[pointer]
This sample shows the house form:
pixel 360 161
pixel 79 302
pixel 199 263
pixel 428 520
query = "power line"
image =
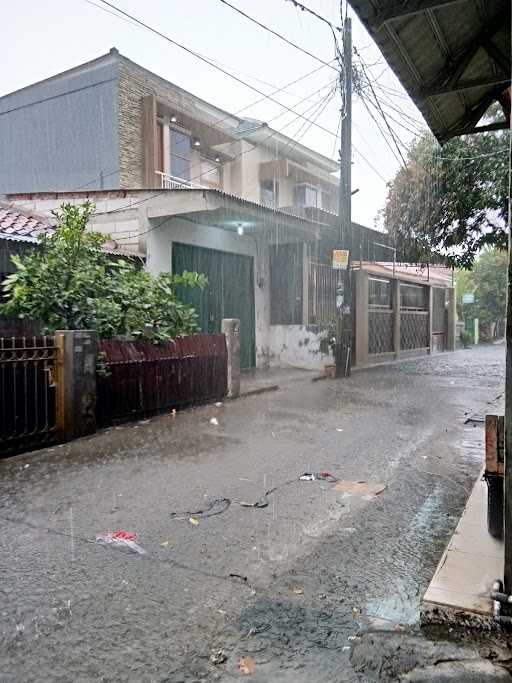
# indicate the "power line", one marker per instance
pixel 391 131
pixel 308 10
pixel 271 135
pixel 205 60
pixel 278 35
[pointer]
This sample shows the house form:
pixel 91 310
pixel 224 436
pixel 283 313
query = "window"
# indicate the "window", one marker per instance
pixel 180 154
pixel 413 296
pixel 305 195
pixel 270 193
pixel 210 172
pixel 328 201
pixel 379 292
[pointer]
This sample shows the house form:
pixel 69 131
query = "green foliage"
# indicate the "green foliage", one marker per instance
pixel 450 201
pixel 71 283
pixel 466 338
pixel 488 280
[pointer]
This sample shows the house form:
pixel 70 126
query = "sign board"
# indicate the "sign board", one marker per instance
pixel 340 259
pixel 468 298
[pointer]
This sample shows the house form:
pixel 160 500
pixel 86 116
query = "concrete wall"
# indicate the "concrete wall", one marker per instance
pixel 296 346
pixel 61 134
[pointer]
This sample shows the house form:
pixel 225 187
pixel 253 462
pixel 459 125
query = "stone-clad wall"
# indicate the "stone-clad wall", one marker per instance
pixel 135 83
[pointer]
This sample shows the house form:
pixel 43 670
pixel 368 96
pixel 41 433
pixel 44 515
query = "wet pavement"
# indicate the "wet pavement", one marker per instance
pixel 291 585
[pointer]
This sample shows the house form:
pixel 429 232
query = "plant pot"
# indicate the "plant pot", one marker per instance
pixel 330 371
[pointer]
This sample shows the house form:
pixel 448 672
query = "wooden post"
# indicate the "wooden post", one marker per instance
pixel 231 329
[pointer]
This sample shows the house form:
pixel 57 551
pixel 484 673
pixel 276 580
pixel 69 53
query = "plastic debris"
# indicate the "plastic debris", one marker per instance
pixel 338 429
pixel 214 421
pixel 218 657
pixel 218 404
pixel 164 544
pixel 26 466
pixel 193 521
pixel 246 665
pixel 173 412
pixel 307 476
pixel 121 539
pixel 314 476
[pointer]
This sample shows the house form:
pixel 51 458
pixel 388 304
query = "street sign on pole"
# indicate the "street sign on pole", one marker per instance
pixel 340 259
pixel 468 298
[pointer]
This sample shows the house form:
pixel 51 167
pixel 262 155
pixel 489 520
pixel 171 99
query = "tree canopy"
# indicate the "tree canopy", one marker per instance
pixel 70 282
pixel 452 201
pixel 488 281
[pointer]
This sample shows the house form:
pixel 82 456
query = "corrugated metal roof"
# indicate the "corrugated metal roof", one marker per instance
pixel 452 56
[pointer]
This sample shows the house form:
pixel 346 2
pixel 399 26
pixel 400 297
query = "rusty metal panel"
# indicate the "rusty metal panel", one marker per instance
pixel 27 393
pixel 494 444
pixel 146 379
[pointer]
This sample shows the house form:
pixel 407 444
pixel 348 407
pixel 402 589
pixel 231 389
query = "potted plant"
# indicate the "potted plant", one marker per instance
pixel 328 346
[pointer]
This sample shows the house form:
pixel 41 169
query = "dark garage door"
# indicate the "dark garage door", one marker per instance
pixel 230 292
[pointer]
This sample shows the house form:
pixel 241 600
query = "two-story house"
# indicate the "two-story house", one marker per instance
pixel 188 185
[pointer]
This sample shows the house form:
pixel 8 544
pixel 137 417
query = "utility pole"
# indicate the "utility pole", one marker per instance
pixel 344 283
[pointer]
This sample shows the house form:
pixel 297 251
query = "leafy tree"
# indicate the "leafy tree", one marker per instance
pixel 450 201
pixel 71 283
pixel 488 281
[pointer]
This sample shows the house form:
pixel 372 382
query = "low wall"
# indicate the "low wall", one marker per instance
pixel 296 346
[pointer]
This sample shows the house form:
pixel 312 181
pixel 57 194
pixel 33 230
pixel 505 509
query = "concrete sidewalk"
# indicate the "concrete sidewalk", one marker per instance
pixel 472 561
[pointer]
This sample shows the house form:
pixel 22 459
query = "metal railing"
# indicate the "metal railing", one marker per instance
pixel 170 182
pixel 27 393
pixel 323 282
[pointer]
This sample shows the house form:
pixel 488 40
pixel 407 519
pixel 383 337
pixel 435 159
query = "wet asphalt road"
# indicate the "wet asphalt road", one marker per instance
pixel 288 585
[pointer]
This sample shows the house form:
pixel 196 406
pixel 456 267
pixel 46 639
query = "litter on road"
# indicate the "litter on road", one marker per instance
pixel 194 521
pixel 246 665
pixel 214 421
pixel 359 488
pixel 120 539
pixel 218 657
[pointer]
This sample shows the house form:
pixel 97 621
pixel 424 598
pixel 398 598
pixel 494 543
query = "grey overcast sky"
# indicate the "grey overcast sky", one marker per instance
pixel 48 36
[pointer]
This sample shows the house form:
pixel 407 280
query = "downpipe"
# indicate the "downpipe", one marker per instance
pixel 499 598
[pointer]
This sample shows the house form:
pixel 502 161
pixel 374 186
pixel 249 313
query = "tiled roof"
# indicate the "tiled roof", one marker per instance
pixel 22 226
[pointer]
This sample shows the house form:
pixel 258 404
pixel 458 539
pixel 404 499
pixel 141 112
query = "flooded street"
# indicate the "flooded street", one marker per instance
pixel 288 579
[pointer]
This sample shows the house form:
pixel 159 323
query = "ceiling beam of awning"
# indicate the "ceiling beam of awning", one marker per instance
pixel 452 57
pixel 398 10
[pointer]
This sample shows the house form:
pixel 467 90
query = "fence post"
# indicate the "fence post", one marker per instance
pixel 430 290
pixel 452 320
pixel 231 329
pixel 361 310
pixel 76 383
pixel 396 317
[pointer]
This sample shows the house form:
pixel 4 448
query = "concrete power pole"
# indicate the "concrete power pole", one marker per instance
pixel 344 288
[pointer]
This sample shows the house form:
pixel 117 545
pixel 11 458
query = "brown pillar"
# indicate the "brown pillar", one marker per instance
pixel 76 383
pixel 361 313
pixel 395 298
pixel 452 320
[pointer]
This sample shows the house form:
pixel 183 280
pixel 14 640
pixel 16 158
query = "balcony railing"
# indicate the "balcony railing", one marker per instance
pixel 170 182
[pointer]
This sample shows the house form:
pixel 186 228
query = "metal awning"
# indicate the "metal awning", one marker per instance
pixel 452 57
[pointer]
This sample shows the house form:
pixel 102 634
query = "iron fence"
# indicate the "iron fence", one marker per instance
pixel 27 393
pixel 141 379
pixel 380 330
pixel 414 330
pixel 322 294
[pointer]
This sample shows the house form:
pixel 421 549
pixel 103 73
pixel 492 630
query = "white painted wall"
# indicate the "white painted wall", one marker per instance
pixel 296 346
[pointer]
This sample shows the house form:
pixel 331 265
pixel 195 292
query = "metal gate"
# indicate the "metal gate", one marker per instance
pixel 229 294
pixel 27 393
